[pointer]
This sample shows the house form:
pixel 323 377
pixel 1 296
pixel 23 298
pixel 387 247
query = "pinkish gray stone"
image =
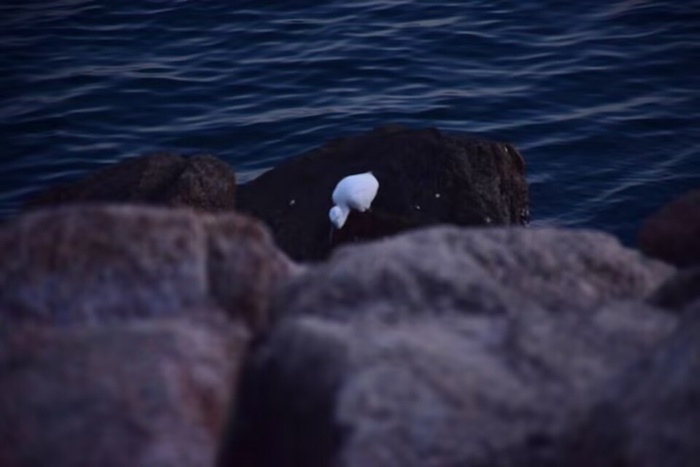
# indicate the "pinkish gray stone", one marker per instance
pixel 477 270
pixel 425 390
pixel 444 347
pixel 103 263
pixel 147 393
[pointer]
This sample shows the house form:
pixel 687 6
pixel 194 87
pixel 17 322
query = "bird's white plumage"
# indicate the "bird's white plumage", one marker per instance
pixel 353 192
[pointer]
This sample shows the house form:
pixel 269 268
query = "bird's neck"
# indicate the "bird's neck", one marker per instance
pixel 345 212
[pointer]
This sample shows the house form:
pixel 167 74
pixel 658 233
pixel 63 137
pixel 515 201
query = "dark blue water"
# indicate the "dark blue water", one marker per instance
pixel 601 97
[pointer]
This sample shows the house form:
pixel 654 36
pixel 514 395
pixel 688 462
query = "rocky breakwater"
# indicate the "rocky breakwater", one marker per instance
pixel 172 337
pixel 122 329
pixel 426 177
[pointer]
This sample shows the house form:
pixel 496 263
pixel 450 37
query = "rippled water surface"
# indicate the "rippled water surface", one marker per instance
pixel 601 97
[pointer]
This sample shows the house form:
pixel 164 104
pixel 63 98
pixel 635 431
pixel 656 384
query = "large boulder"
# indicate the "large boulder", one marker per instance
pixel 673 233
pixel 425 177
pixel 144 393
pixel 103 263
pixel 444 347
pixel 477 270
pixel 679 291
pixel 429 390
pixel 648 417
pixel 201 182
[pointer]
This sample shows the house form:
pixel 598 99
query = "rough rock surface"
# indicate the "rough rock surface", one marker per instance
pixel 650 417
pixel 444 347
pixel 673 233
pixel 430 390
pixel 201 181
pixel 679 291
pixel 144 393
pixel 101 263
pixel 425 177
pixel 477 270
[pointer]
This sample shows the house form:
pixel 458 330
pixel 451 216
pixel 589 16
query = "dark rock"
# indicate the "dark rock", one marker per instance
pixel 448 390
pixel 425 177
pixel 370 225
pixel 651 415
pixel 479 270
pixel 679 291
pixel 673 233
pixel 149 393
pixel 201 182
pixel 102 263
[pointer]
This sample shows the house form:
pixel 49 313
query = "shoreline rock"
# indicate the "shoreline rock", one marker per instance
pixel 477 270
pixel 427 390
pixel 426 177
pixel 130 333
pixel 100 263
pixel 141 393
pixel 201 182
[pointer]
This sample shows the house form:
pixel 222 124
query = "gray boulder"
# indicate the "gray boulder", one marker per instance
pixel 648 417
pixel 144 394
pixel 101 263
pixel 444 347
pixel 477 270
pixel 428 391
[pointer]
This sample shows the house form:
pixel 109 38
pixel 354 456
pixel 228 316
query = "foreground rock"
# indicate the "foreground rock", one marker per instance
pixel 425 177
pixel 679 291
pixel 650 417
pixel 106 263
pixel 132 394
pixel 673 233
pixel 444 347
pixel 443 391
pixel 201 182
pixel 487 270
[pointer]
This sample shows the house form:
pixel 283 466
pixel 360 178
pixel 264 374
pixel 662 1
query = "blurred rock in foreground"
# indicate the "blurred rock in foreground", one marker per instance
pixel 444 347
pixel 104 263
pixel 144 393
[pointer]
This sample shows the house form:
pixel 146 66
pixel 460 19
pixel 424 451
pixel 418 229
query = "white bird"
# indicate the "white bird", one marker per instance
pixel 352 192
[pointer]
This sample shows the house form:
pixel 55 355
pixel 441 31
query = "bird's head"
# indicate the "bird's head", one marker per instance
pixel 338 216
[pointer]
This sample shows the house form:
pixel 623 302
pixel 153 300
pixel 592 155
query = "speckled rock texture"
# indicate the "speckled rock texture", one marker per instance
pixel 426 177
pixel 201 182
pixel 104 263
pixel 154 336
pixel 428 390
pixel 444 347
pixel 679 291
pixel 477 270
pixel 649 416
pixel 149 393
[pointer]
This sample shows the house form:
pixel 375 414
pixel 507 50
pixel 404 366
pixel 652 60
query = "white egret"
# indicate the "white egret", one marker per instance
pixel 352 192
